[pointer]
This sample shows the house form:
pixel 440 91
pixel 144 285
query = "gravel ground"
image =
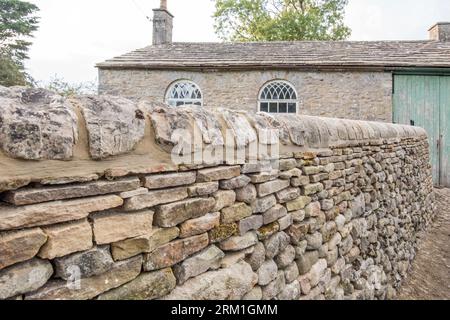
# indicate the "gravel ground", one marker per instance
pixel 429 278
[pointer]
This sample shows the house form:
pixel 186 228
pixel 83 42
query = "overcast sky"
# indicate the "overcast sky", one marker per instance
pixel 76 34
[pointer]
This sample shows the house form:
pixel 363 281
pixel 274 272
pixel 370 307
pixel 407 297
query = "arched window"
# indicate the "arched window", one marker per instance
pixel 184 92
pixel 278 97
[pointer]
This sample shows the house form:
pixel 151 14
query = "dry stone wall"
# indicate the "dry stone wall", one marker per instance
pixel 93 206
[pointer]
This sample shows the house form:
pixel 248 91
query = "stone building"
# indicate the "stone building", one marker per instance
pixel 389 81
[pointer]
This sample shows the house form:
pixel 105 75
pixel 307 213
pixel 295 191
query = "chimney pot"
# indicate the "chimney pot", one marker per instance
pixel 440 31
pixel 163 5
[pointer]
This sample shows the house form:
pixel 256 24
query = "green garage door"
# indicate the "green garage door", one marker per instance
pixel 424 101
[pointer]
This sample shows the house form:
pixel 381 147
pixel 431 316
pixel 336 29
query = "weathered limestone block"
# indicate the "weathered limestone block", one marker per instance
pixel 166 180
pixel 147 286
pixel 320 177
pixel 271 187
pixel 264 176
pixel 275 287
pixel 170 215
pixel 314 241
pixel 24 277
pixel 306 261
pixel 224 284
pixel 256 167
pixel 293 173
pixel 168 123
pixel 270 129
pixel 328 230
pixel 13 183
pixel 223 232
pixel 203 189
pixel 174 252
pixel 287 164
pixel 133 193
pixel 317 271
pixel 235 213
pixel 309 171
pixel 257 257
pixel 267 272
pixel 305 286
pixel 154 198
pixel 36 124
pixel 292 291
pixel 261 205
pixel 200 225
pixel 209 258
pixel 312 209
pixel 327 204
pixel 251 223
pixel 111 227
pixel 235 183
pixel 115 125
pixel 36 195
pixel 54 212
pixel 275 244
pixel 237 243
pixel 232 258
pixel 243 132
pixel 358 205
pixel 208 124
pixel 344 196
pixel 254 295
pixel 274 213
pixel 298 204
pixel 84 264
pixel 285 257
pixel 267 231
pixel 146 243
pixel 298 215
pixel 246 194
pixel 218 173
pixel 312 188
pixel 298 232
pixel 18 246
pixel 291 272
pixel 66 238
pixel 332 257
pixel 296 128
pixel 288 195
pixel 300 181
pixel 285 222
pixel 69 178
pixel 224 198
pixel 121 273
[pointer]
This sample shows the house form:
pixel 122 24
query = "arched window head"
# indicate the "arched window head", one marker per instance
pixel 278 97
pixel 184 92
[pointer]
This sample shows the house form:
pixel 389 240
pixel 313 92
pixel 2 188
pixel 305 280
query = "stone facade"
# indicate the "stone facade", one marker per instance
pixel 347 95
pixel 334 215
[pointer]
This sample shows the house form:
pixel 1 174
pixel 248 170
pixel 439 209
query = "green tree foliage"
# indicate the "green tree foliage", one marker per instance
pixel 280 20
pixel 17 24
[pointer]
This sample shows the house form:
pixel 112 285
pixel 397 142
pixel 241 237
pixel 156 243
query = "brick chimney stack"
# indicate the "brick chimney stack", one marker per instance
pixel 162 25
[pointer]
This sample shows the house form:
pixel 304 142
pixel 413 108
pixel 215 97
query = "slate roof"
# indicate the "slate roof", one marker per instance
pixel 297 54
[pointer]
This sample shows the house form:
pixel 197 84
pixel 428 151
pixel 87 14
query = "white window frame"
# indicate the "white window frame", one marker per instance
pixel 278 101
pixel 186 101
